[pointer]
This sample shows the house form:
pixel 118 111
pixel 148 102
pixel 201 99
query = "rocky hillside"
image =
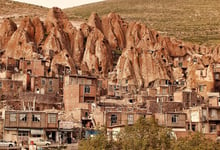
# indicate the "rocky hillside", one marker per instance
pixel 17 10
pixel 194 21
pixel 132 52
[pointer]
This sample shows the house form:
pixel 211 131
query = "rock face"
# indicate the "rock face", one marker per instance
pixel 97 54
pixel 7 28
pixel 140 55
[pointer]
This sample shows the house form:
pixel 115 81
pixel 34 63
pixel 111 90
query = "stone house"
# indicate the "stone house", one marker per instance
pixel 213 99
pixel 79 91
pixel 45 85
pixel 10 88
pixel 204 79
pixel 20 125
pixel 173 120
pixel 24 78
pixel 162 88
pixel 121 90
pixel 34 67
pixel 205 119
pixel 110 114
pixel 10 64
pixel 188 97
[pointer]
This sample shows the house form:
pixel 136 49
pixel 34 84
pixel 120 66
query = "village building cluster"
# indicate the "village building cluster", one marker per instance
pixel 58 82
pixel 55 107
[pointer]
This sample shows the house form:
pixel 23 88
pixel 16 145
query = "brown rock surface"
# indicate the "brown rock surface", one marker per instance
pixel 7 28
pixel 97 53
pixel 55 18
pixel 114 29
pixel 63 58
pixel 20 45
pixel 39 31
pixel 141 54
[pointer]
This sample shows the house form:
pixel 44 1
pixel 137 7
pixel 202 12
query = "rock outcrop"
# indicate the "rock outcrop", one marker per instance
pixel 7 28
pixel 140 54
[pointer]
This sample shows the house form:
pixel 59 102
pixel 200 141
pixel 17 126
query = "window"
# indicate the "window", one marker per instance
pixel 43 82
pixel 188 126
pixel 52 118
pixel 130 119
pixel 126 81
pixel 113 119
pixel 86 114
pixel 28 62
pixel 87 89
pixel 36 118
pixel 201 88
pixel 12 117
pixel 217 76
pixel 193 127
pixel 167 82
pixel 50 89
pixel 22 133
pixel 212 127
pixel 11 86
pixel 50 82
pixel 164 91
pixel 194 60
pixel 174 118
pixel 23 117
pixel 99 83
pixel 201 73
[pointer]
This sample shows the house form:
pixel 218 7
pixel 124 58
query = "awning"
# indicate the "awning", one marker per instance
pixel 66 130
pixel 14 129
pixel 37 132
pixel 50 129
pixel 24 129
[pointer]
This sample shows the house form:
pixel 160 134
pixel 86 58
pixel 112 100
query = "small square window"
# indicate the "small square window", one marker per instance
pixel 87 89
pixel 50 89
pixel 43 81
pixel 23 117
pixel 36 118
pixel 217 76
pixel 12 117
pixel 201 88
pixel 164 91
pixel 11 85
pixel 52 118
pixel 174 118
pixel 130 119
pixel 193 127
pixel 50 82
pixel 213 128
pixel 113 119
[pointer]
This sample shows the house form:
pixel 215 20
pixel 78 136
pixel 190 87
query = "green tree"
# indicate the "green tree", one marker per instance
pixel 196 141
pixel 145 134
pixel 99 142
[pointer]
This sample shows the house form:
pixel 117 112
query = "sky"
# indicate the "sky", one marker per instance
pixel 59 3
